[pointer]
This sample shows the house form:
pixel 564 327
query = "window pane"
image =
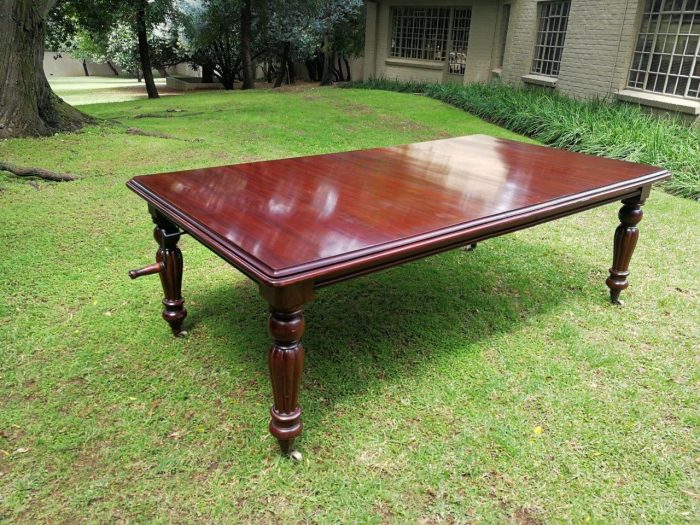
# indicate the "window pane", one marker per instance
pixel 459 39
pixel 419 33
pixel 667 48
pixel 551 35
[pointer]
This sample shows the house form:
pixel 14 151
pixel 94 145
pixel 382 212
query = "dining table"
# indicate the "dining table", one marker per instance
pixel 297 225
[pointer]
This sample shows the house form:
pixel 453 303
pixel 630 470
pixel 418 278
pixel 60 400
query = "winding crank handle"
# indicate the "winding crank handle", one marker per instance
pixel 147 270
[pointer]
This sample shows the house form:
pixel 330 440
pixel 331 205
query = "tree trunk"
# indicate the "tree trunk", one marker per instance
pixel 28 106
pixel 114 69
pixel 207 75
pixel 319 64
pixel 226 78
pixel 144 53
pixel 339 74
pixel 246 38
pixel 312 70
pixel 326 79
pixel 85 68
pixel 283 65
pixel 291 74
pixel 347 66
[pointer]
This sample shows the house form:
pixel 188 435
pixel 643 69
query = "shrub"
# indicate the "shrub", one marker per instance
pixel 609 129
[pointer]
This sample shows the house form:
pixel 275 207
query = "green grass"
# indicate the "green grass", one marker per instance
pixel 79 91
pixel 425 386
pixel 597 127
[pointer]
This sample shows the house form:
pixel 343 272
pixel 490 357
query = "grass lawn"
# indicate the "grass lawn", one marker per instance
pixel 493 386
pixel 86 90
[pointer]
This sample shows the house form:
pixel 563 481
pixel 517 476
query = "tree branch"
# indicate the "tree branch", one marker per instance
pixel 34 172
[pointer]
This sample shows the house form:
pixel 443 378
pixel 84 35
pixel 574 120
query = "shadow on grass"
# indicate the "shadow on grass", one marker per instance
pixel 364 333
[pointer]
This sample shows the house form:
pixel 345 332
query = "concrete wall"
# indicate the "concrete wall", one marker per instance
pixel 64 65
pixel 185 70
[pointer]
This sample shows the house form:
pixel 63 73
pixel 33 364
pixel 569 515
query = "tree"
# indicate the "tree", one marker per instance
pixel 144 51
pixel 246 42
pixel 121 46
pixel 224 37
pixel 28 106
pixel 211 29
pixel 340 25
pixel 123 27
pixel 287 37
pixel 166 46
pixel 319 32
pixel 109 39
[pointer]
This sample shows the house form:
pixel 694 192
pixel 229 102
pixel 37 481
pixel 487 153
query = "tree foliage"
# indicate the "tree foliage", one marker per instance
pixel 217 35
pixel 136 34
pixel 319 32
pixel 211 31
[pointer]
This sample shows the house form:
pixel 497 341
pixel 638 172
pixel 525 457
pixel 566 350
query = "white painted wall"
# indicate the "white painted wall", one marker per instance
pixel 64 65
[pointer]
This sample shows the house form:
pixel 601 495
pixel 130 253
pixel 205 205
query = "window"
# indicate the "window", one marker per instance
pixel 420 33
pixel 461 21
pixel 505 20
pixel 551 33
pixel 666 59
pixel 431 33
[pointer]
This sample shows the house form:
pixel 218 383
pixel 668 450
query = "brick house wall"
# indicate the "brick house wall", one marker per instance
pixel 599 42
pixel 595 62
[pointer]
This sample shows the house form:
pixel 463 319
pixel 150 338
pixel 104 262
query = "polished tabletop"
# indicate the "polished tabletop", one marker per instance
pixel 287 219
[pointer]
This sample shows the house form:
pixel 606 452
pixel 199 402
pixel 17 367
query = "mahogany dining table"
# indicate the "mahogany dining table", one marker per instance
pixel 298 224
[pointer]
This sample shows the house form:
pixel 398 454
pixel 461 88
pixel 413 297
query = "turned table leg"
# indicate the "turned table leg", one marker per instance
pixel 169 266
pixel 286 358
pixel 626 236
pixel 171 278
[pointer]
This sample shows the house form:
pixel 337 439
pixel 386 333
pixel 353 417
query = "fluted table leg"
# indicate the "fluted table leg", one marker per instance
pixel 286 359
